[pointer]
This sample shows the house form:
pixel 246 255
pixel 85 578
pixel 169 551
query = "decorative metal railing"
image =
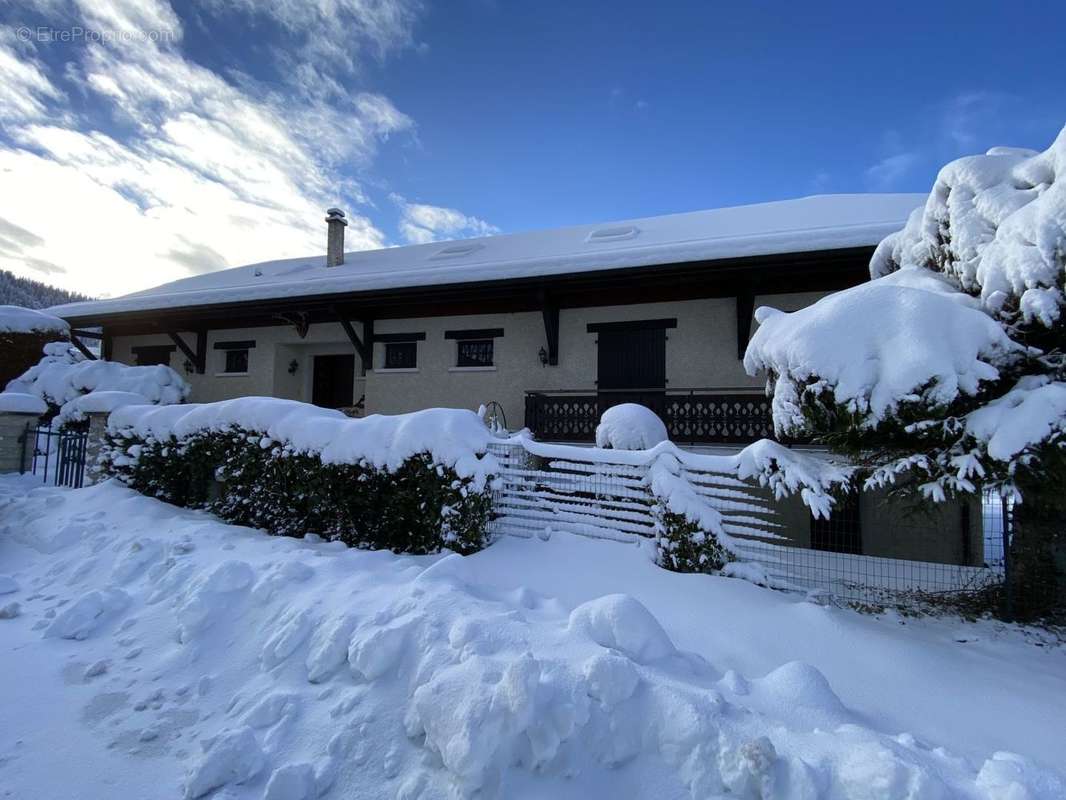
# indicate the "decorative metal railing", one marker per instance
pixel 692 416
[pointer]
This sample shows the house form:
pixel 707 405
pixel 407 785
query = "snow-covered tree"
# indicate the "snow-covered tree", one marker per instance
pixel 946 372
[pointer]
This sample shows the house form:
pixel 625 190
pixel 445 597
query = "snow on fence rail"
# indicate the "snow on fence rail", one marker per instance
pixel 605 499
pixel 605 494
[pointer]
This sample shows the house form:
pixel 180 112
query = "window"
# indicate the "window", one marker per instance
pixel 475 353
pixel 235 356
pixel 236 361
pixel 150 355
pixel 401 355
pixel 473 348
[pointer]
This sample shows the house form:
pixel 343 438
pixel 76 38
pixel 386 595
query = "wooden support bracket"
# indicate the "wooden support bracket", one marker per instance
pixel 364 346
pixel 198 357
pixel 745 312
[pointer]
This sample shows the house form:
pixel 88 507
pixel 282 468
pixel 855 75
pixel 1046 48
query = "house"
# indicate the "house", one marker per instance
pixel 551 326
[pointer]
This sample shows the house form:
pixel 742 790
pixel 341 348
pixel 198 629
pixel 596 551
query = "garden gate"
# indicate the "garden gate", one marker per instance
pixel 57 455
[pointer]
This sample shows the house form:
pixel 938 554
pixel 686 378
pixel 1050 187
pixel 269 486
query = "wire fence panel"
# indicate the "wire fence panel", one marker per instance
pixel 871 549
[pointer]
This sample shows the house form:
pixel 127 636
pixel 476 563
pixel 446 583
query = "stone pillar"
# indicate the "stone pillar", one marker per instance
pixel 15 451
pixel 93 445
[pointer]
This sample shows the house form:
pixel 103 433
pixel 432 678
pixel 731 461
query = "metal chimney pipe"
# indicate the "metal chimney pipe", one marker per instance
pixel 335 225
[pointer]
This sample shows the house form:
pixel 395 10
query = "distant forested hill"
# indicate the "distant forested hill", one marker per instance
pixel 16 291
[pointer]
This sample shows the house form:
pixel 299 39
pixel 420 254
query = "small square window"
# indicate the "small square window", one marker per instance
pixel 236 361
pixel 401 355
pixel 475 353
pixel 151 355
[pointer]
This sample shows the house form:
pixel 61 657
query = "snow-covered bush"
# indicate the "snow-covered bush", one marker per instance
pixel 946 372
pixel 23 332
pixel 682 546
pixel 630 426
pixel 413 483
pixel 64 376
pixel 690 535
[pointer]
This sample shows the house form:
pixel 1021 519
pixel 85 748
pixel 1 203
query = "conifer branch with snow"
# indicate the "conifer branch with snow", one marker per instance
pixel 945 373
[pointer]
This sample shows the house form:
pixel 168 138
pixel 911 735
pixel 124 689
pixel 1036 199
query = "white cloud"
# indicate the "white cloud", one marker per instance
pixel 215 173
pixel 24 89
pixel 888 171
pixel 329 37
pixel 421 223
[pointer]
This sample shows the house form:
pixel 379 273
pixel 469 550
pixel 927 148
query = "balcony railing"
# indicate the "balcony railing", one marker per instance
pixel 692 416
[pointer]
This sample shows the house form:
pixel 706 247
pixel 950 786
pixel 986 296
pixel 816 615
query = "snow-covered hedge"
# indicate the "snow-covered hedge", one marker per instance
pixel 411 483
pixel 64 378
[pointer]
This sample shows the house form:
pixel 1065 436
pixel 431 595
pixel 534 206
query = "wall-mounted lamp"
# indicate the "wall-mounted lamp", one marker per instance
pixel 293 366
pixel 543 356
pixel 187 366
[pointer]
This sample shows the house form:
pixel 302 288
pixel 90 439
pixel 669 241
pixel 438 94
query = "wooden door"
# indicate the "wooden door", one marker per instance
pixel 333 381
pixel 631 367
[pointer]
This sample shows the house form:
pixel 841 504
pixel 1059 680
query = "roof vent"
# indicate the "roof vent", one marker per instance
pixel 621 233
pixel 457 250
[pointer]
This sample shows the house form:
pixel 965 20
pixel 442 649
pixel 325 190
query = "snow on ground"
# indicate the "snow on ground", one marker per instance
pixel 163 653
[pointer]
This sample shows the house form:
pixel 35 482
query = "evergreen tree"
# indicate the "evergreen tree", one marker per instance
pixel 946 372
pixel 16 291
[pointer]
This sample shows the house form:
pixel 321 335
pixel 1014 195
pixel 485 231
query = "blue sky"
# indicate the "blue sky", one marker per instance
pixel 180 138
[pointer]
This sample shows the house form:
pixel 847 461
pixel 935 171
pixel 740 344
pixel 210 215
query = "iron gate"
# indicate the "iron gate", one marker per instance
pixel 55 455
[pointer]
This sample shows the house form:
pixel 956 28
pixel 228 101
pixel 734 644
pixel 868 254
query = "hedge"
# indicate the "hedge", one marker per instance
pixel 248 479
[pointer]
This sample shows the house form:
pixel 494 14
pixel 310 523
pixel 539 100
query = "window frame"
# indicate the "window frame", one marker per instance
pixel 236 351
pixel 473 363
pixel 408 346
pixel 246 345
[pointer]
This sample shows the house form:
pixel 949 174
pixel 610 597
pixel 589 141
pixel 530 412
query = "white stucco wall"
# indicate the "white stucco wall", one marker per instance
pixel 701 353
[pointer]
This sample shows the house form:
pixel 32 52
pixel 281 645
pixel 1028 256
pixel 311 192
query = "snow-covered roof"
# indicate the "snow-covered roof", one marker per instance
pixel 16 319
pixel 821 222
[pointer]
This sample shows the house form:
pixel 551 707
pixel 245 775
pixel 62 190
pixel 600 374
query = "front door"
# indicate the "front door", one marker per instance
pixel 632 367
pixel 333 381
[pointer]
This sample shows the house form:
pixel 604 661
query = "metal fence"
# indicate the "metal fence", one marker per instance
pixel 691 416
pixel 55 454
pixel 838 561
pixel 872 550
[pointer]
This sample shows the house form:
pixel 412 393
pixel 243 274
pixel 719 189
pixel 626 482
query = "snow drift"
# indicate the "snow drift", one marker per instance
pixel 222 660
